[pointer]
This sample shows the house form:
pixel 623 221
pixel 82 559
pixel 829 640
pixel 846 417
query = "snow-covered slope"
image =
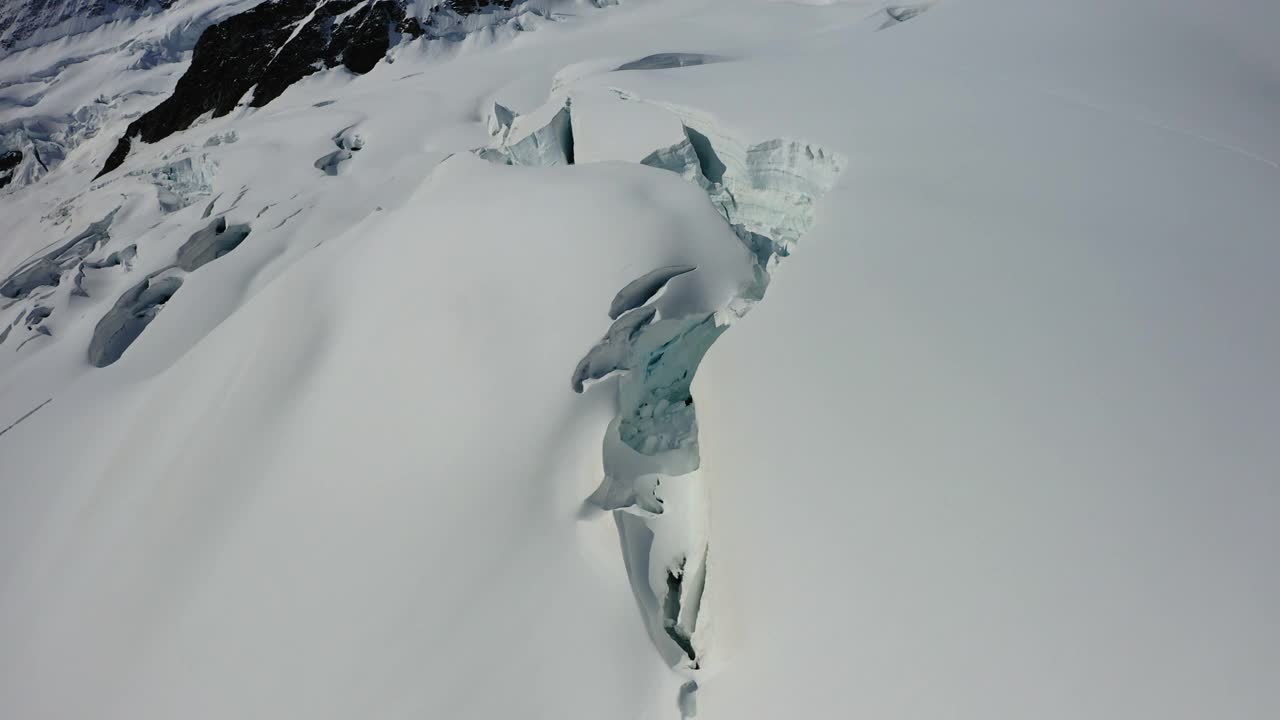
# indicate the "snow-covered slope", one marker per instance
pixel 983 428
pixel 27 23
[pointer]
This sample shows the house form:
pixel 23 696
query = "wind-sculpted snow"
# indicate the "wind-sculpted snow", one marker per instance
pixel 665 61
pixel 767 193
pixel 131 314
pixel 348 141
pixel 119 257
pixel 138 306
pixel 642 289
pixel 209 244
pixel 47 269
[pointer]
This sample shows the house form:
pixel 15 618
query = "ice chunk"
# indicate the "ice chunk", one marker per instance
pixel 181 183
pixel 120 257
pixel 541 145
pixel 614 350
pixel 499 121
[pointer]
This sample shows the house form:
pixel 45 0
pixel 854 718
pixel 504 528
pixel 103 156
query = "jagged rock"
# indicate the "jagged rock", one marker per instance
pixel 9 161
pixel 181 183
pixel 259 49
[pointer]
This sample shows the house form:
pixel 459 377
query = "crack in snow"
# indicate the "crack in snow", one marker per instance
pixel 766 193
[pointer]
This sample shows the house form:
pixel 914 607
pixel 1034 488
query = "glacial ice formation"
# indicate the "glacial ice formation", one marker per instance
pixel 642 289
pixel 766 192
pixel 348 141
pixel 535 139
pixel 499 121
pixel 227 138
pixel 210 243
pixel 131 314
pixel 180 183
pixel 47 269
pixel 613 351
pixel 664 61
pixel 139 305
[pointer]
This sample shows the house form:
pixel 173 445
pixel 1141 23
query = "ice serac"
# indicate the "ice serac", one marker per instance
pixel 613 351
pixel 549 144
pixel 131 314
pixel 664 61
pixel 120 257
pixel 183 182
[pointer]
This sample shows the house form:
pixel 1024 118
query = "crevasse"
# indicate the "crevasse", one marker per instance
pixel 767 193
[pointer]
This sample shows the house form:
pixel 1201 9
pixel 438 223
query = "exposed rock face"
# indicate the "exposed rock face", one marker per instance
pixel 357 42
pixel 264 49
pixel 9 161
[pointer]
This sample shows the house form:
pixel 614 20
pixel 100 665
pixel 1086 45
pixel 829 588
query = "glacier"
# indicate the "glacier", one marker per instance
pixel 923 353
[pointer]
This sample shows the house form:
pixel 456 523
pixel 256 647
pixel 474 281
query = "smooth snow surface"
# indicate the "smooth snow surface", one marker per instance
pixel 979 295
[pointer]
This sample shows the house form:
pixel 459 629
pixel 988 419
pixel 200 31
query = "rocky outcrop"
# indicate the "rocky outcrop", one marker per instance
pixel 274 45
pixel 9 161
